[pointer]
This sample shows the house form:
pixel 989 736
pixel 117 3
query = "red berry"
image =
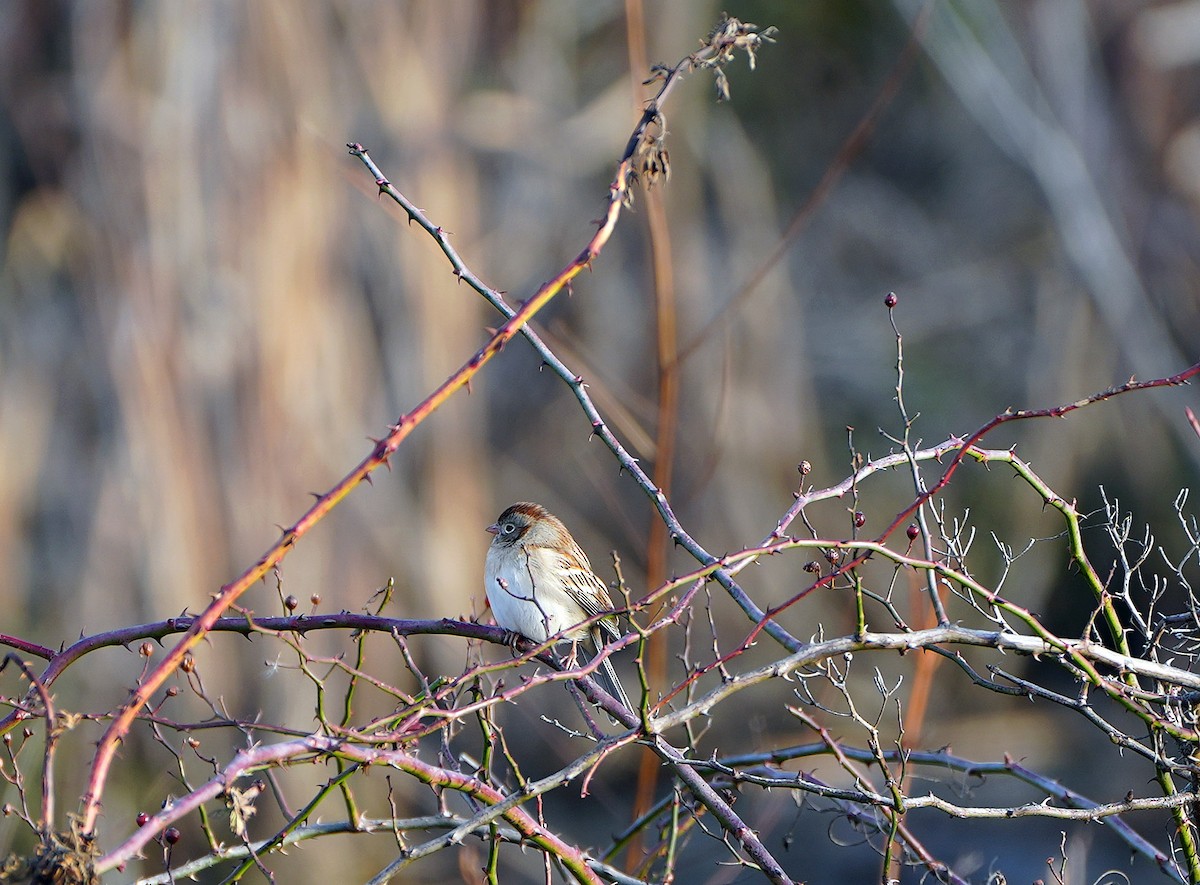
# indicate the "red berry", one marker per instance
pixel 890 300
pixel 912 531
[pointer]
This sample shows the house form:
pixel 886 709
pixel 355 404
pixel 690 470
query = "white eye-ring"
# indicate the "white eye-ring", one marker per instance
pixel 509 528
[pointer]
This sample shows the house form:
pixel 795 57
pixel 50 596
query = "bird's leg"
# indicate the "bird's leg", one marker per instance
pixel 573 656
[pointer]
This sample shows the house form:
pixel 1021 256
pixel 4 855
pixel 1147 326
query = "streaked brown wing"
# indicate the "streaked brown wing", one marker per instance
pixel 589 592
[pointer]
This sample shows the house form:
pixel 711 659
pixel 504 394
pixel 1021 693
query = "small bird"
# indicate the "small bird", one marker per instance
pixel 539 583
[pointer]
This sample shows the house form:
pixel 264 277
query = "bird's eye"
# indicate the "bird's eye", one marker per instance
pixel 509 527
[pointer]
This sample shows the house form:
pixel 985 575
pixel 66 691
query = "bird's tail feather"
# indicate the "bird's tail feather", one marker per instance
pixel 606 674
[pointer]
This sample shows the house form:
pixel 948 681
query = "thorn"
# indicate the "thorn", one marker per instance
pixel 368 480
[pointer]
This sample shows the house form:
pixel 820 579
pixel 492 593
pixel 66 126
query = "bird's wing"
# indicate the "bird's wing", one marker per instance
pixel 589 593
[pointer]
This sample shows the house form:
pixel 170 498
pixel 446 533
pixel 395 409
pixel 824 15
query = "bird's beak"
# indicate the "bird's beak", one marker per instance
pixel 493 529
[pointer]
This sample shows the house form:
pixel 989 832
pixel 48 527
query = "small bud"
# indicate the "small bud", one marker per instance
pixel 890 300
pixel 860 519
pixel 912 531
pixel 142 819
pixel 171 835
pixel 290 603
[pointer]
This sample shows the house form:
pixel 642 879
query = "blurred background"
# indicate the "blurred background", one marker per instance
pixel 205 311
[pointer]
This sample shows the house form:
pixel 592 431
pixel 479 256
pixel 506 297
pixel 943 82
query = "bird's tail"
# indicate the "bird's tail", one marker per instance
pixel 606 675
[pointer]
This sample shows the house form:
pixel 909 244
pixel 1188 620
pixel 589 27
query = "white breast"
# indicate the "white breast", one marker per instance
pixel 523 599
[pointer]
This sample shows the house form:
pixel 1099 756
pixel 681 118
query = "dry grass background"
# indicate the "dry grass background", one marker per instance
pixel 204 311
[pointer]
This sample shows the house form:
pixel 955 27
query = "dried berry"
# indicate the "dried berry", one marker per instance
pixel 860 519
pixel 890 300
pixel 912 531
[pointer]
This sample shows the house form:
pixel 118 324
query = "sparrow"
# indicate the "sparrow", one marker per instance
pixel 539 583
